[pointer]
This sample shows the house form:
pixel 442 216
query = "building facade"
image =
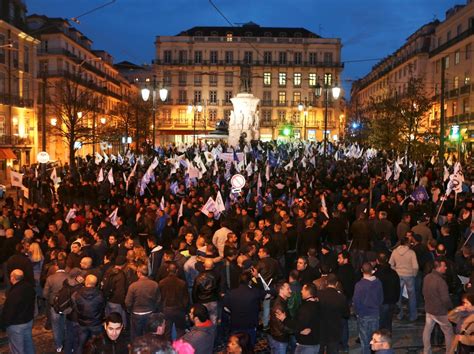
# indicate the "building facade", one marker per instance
pixel 203 68
pixel 454 43
pixel 66 54
pixel 18 121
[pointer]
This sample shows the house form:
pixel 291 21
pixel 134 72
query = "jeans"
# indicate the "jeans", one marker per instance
pixel 446 327
pixel 329 348
pixel 177 317
pixel 111 307
pixel 409 282
pixel 213 311
pixel 138 325
pixel 58 325
pixel 266 312
pixel 86 332
pixel 306 349
pixel 367 326
pixel 20 338
pixel 386 315
pixel 276 346
pixel 71 343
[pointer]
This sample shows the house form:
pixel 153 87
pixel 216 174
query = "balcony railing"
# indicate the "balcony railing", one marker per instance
pixel 15 100
pixel 15 140
pixel 318 64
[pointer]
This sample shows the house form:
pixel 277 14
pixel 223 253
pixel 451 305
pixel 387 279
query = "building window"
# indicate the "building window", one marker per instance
pixel 197 79
pixel 455 108
pixel 328 79
pixel 183 56
pixel 458 29
pixel 213 79
pixel 296 97
pixel 212 97
pixel 313 58
pixel 182 96
pixel 282 116
pixel 229 78
pixel 267 98
pixel 267 115
pixel 468 51
pixel 467 79
pixel 212 115
pixel 465 106
pixel 198 57
pixel 282 58
pixel 267 58
pixel 328 58
pixel 282 79
pixel 297 79
pixel 298 58
pixel 2 82
pixel 229 57
pixel 2 50
pixel 267 79
pixel 457 56
pixel 197 96
pixel 456 82
pixel 182 116
pixel 167 56
pixel 182 78
pixel 313 79
pixel 446 62
pixel 213 57
pixel 167 78
pixel 227 96
pixel 248 57
pixel 229 37
pixel 281 98
pixel 26 59
pixel 448 36
pixel 227 113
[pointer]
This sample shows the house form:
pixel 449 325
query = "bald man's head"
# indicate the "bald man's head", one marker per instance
pixel 91 281
pixel 208 264
pixel 16 275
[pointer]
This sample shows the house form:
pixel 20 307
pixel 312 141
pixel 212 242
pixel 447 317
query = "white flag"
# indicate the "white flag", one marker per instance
pixel 162 203
pixel 446 174
pixel 113 217
pixel 249 169
pixel 54 177
pixel 267 172
pixel 110 176
pixel 220 205
pixel 98 158
pixel 119 159
pixel 180 211
pixel 209 207
pixel 298 182
pixel 396 171
pixel 388 173
pixel 70 215
pixel 16 179
pixel 289 166
pixel 100 177
pixel 106 158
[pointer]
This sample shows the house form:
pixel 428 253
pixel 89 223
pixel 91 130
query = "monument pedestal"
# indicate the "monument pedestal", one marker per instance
pixel 244 118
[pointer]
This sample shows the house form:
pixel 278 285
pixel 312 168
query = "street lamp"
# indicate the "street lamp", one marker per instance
pixel 303 107
pixel 336 91
pixel 163 92
pixel 197 109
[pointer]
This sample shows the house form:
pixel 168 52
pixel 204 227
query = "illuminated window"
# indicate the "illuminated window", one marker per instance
pixel 282 79
pixel 267 79
pixel 297 79
pixel 313 79
pixel 229 37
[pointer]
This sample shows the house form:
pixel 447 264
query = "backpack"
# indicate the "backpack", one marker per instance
pixel 62 302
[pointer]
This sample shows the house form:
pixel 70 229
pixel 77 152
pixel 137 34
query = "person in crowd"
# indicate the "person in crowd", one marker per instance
pixel 114 286
pixel 381 342
pixel 463 317
pixel 201 335
pixel 18 312
pixel 142 299
pixel 367 300
pixel 239 343
pixel 279 333
pixel 112 340
pixel 437 305
pixel 206 289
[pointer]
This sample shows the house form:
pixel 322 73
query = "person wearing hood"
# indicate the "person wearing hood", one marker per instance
pixel 403 261
pixel 89 304
pixel 201 335
pixel 367 300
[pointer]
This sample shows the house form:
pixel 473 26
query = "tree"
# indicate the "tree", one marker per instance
pixel 72 100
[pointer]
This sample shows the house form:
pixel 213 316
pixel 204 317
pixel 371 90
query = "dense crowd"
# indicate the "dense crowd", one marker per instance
pixel 158 253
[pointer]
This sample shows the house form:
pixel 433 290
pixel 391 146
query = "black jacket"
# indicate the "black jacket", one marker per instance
pixel 390 283
pixel 19 305
pixel 22 262
pixel 269 268
pixel 308 316
pixel 229 276
pixel 101 344
pixel 334 308
pixel 89 305
pixel 114 286
pixel 244 306
pixel 206 287
pixel 346 275
pixel 278 330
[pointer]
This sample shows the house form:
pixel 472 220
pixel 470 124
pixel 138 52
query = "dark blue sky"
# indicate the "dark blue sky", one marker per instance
pixel 368 28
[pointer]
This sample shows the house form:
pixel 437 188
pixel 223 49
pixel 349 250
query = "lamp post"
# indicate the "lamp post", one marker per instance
pixel 146 95
pixel 303 107
pixel 196 109
pixel 336 91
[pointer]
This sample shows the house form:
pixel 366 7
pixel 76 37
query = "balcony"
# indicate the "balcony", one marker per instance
pixel 281 103
pixel 15 140
pixel 268 123
pixel 266 103
pixel 452 42
pixel 466 89
pixel 15 100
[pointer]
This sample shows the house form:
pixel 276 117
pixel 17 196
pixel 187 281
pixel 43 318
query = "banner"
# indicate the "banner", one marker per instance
pixel 210 207
pixel 16 179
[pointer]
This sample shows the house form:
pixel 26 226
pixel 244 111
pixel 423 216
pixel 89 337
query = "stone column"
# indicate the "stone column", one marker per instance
pixel 244 118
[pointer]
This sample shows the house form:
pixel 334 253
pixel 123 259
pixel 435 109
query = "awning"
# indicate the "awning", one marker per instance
pixel 7 154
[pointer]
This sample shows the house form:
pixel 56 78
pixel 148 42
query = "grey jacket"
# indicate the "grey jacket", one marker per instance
pixel 54 283
pixel 201 339
pixel 143 296
pixel 436 294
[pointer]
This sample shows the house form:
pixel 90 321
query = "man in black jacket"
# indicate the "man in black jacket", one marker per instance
pixel 112 340
pixel 17 315
pixel 279 332
pixel 206 289
pixel 307 323
pixel 391 290
pixel 89 305
pixel 334 309
pixel 114 288
pixel 21 261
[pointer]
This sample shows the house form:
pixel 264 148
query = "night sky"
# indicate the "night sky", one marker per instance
pixel 369 29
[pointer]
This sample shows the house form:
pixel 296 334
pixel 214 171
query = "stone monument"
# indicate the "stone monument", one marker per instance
pixel 244 119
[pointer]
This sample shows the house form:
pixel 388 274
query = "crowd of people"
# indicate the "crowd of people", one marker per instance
pixel 159 253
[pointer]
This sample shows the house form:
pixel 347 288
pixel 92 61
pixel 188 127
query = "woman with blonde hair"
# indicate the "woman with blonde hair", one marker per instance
pixel 37 259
